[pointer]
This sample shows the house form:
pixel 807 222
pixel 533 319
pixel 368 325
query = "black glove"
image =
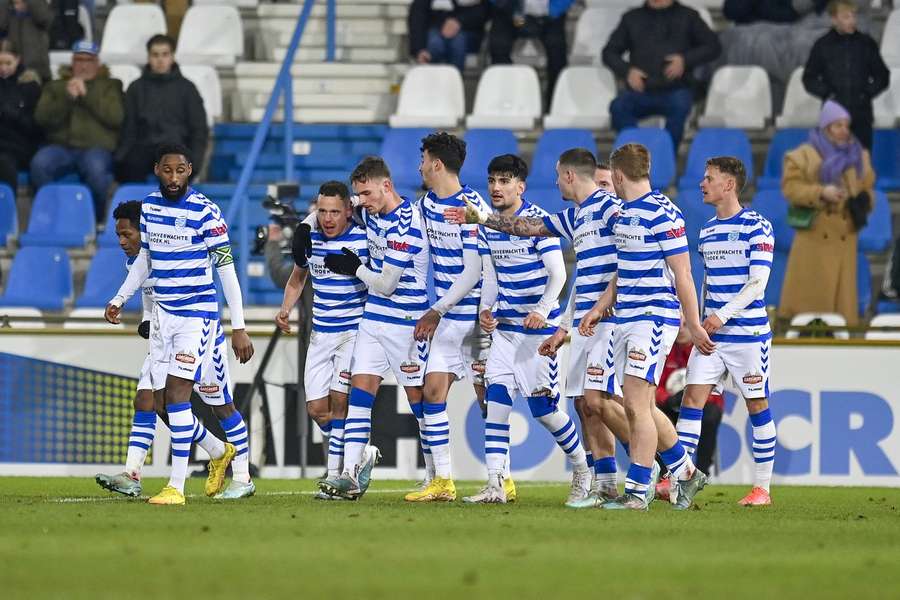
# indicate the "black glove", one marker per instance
pixel 144 330
pixel 301 246
pixel 345 263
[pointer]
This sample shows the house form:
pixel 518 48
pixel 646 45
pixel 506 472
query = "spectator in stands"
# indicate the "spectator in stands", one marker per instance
pixel 66 29
pixel 25 23
pixel 20 89
pixel 542 19
pixel 846 65
pixel 81 114
pixel 665 41
pixel 828 183
pixel 161 106
pixel 444 31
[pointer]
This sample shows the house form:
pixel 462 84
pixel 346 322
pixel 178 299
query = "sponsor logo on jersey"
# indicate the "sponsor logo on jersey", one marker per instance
pixel 398 246
pixel 676 233
pixel 595 370
pixel 752 378
pixel 637 355
pixel 186 357
pixel 219 230
pixel 410 367
pixel 209 388
pixel 764 247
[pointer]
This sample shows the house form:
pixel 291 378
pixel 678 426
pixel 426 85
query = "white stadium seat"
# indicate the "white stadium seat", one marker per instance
pixel 430 96
pixel 830 319
pixel 508 97
pixel 88 318
pixel 739 97
pixel 206 79
pixel 890 39
pixel 801 109
pixel 592 32
pixel 581 99
pixel 128 27
pixel 887 104
pixel 211 35
pixel 18 318
pixel 124 73
pixel 884 321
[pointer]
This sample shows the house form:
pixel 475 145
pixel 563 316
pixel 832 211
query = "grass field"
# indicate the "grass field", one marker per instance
pixel 66 538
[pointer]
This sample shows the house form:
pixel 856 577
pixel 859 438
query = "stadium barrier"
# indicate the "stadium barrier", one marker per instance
pixel 65 409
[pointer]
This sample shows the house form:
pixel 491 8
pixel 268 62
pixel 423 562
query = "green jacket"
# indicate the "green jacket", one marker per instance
pixel 89 122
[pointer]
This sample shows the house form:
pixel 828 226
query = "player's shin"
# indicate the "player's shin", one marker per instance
pixel 143 429
pixel 210 443
pixel 236 433
pixel 560 426
pixel 357 429
pixel 418 411
pixel 181 423
pixel 437 427
pixel 496 429
pixel 764 441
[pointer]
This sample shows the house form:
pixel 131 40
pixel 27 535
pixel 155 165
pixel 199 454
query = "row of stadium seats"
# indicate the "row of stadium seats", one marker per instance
pixel 509 96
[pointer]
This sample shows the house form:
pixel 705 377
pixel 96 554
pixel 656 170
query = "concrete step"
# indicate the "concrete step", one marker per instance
pixel 262 87
pixel 327 115
pixel 344 11
pixel 335 70
pixel 342 53
pixel 350 39
pixel 356 26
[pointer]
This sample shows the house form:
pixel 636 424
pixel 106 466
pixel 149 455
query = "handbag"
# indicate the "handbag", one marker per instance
pixel 801 217
pixel 858 206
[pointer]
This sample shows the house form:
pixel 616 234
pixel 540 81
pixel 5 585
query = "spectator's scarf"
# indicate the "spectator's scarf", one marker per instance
pixel 836 158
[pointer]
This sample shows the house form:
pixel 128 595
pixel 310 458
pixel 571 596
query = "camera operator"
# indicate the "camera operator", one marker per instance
pixel 280 264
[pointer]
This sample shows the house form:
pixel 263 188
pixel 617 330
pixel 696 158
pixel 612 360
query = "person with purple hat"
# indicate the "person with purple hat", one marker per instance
pixel 828 183
pixel 80 113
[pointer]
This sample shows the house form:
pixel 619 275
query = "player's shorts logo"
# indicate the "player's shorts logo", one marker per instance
pixel 344 375
pixel 541 392
pixel 180 222
pixel 209 389
pixel 637 355
pixel 186 357
pixel 410 367
pixel 752 378
pixel 595 370
pixel 479 366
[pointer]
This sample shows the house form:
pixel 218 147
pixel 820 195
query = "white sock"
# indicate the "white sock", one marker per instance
pixel 210 443
pixel 437 427
pixel 143 429
pixel 336 448
pixel 357 429
pixel 236 434
pixel 496 429
pixel 181 423
pixel 419 413
pixel 563 430
pixel 690 421
pixel 764 441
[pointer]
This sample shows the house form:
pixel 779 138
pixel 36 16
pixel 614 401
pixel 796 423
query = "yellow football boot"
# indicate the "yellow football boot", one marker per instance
pixel 509 486
pixel 168 495
pixel 215 481
pixel 438 490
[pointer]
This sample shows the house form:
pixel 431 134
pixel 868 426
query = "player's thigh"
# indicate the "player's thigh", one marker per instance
pixel 320 367
pixel 600 372
pixel 499 368
pixel 341 356
pixel 749 365
pixel 705 369
pixel 576 369
pixel 369 354
pixel 190 343
pixel 213 378
pixel 536 375
pixel 476 347
pixel 646 345
pixel 405 356
pixel 445 353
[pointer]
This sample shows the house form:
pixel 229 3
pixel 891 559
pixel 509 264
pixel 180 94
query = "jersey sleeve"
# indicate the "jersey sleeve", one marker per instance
pixel 145 242
pixel 470 236
pixel 546 244
pixel 561 224
pixel 762 245
pixel 668 231
pixel 402 245
pixel 213 229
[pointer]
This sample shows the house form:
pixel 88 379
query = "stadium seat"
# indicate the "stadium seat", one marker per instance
pixel 830 319
pixel 887 306
pixel 400 149
pixel 124 73
pixel 9 219
pixel 885 150
pixel 774 206
pixel 40 277
pixel 581 98
pixel 62 215
pixel 886 105
pixel 21 317
pixel 104 277
pixel 89 318
pixel 211 35
pixel 801 109
pixel 444 104
pixel 127 29
pixel 206 80
pixel 887 320
pixel 592 32
pixel 550 145
pixel 481 146
pixel 782 142
pixel 508 96
pixel 124 193
pixel 890 49
pixel 547 197
pixel 876 236
pixel 863 283
pixel 744 86
pixel 715 142
pixel 659 142
pixel 695 213
pixel 776 278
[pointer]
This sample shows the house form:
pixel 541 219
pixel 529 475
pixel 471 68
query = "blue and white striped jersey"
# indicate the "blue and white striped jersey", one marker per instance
pixel 647 231
pixel 521 275
pixel 146 287
pixel 729 248
pixel 447 242
pixel 396 239
pixel 589 226
pixel 180 235
pixel 338 300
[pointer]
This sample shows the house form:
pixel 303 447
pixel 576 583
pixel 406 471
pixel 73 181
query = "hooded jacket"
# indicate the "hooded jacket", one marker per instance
pixel 19 95
pixel 92 121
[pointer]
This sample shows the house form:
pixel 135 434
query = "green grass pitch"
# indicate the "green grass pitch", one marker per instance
pixel 67 538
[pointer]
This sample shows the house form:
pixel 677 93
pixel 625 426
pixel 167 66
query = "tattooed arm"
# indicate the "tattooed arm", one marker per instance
pixel 521 226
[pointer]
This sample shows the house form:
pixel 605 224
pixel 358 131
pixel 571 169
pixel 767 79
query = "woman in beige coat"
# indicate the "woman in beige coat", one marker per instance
pixel 826 174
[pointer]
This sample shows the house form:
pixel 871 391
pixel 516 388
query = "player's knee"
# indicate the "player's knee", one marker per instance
pixel 541 405
pixel 143 401
pixel 319 411
pixel 757 405
pixel 224 411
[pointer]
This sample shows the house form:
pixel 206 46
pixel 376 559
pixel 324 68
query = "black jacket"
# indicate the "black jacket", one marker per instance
pixel 164 108
pixel 19 134
pixel 774 11
pixel 652 34
pixel 848 69
pixel 421 18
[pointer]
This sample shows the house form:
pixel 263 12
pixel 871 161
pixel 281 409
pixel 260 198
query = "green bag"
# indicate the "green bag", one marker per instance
pixel 800 217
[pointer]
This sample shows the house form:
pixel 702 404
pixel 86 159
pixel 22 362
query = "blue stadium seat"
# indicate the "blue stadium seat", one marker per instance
pixel 124 193
pixel 695 213
pixel 715 141
pixel 400 149
pixel 40 277
pixel 876 236
pixel 551 144
pixel 104 277
pixel 885 161
pixel 659 142
pixel 773 206
pixel 782 142
pixel 863 283
pixel 481 146
pixel 62 215
pixel 547 197
pixel 9 220
pixel 887 307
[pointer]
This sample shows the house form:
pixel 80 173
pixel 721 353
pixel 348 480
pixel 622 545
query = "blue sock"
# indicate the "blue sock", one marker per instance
pixel 143 429
pixel 765 439
pixel 677 460
pixel 237 435
pixel 605 469
pixel 590 459
pixel 335 447
pixel 637 481
pixel 496 427
pixel 418 410
pixel 357 428
pixel 437 428
pixel 688 428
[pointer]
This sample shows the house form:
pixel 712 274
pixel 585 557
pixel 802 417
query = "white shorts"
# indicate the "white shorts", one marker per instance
pixel 591 364
pixel 481 348
pixel 328 363
pixel 514 363
pixel 455 348
pixel 748 364
pixel 640 349
pixel 382 347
